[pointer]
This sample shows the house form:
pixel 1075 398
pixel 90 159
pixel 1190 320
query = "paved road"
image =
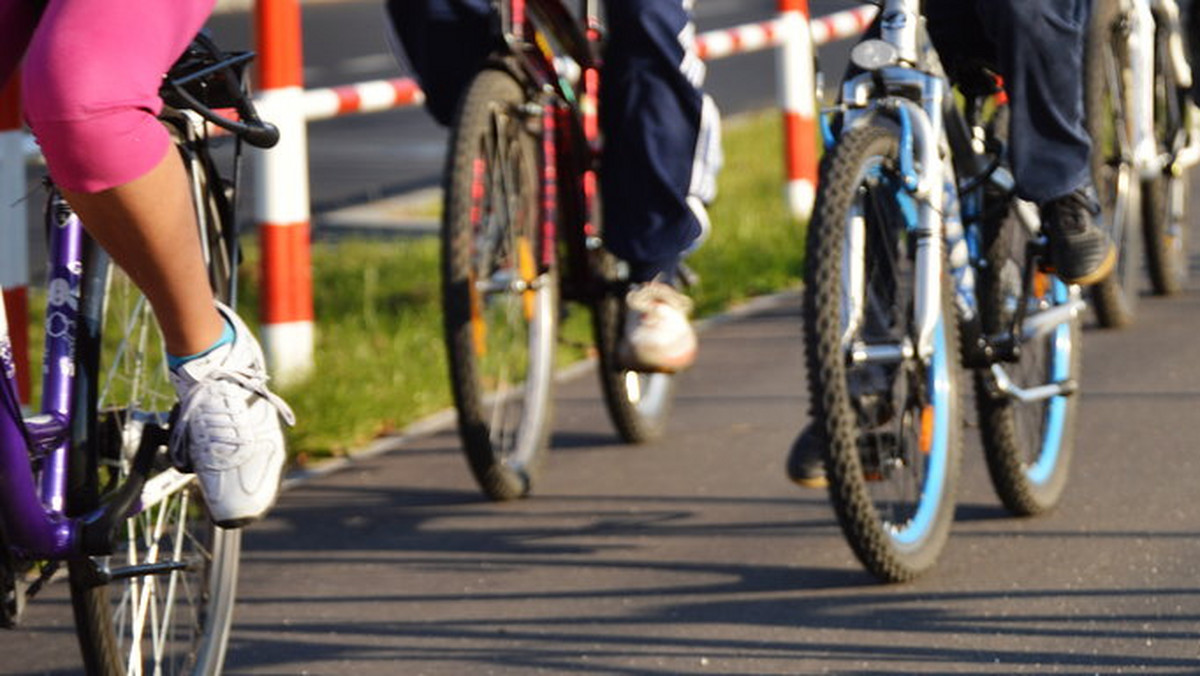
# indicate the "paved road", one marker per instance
pixel 695 556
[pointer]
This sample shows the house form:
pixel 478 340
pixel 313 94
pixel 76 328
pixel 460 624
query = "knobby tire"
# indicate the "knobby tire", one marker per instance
pixel 890 547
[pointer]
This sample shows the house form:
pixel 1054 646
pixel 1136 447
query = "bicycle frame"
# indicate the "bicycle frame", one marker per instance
pixel 32 513
pixel 902 79
pixel 556 55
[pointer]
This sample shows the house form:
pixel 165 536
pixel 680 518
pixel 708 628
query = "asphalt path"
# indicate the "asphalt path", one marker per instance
pixel 694 555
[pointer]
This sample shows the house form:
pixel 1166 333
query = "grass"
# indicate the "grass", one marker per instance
pixel 380 360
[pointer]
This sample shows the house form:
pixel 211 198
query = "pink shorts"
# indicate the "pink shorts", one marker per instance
pixel 90 81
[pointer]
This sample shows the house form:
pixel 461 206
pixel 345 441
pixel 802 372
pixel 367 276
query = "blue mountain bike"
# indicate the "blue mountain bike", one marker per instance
pixel 921 261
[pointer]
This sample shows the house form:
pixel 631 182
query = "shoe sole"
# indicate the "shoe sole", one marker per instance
pixel 242 522
pixel 813 482
pixel 235 524
pixel 1100 273
pixel 627 362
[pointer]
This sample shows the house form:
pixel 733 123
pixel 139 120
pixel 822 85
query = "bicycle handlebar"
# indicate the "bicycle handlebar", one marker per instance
pixel 206 78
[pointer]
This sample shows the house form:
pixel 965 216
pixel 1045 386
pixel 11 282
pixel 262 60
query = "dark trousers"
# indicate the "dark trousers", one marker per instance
pixel 1037 46
pixel 650 112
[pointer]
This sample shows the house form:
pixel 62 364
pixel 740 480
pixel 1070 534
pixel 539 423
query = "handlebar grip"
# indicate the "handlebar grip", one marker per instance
pixel 261 134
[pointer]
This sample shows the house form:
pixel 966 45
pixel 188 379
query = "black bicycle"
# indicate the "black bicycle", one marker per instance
pixel 522 232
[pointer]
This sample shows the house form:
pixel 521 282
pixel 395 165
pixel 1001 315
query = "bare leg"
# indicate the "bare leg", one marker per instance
pixel 148 226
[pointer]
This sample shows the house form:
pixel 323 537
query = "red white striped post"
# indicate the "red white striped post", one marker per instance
pixel 14 236
pixel 797 91
pixel 281 195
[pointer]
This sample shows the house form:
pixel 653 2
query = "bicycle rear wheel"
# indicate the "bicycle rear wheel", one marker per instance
pixel 638 403
pixel 1106 81
pixel 891 418
pixel 499 297
pixel 177 619
pixel 1165 203
pixel 1028 443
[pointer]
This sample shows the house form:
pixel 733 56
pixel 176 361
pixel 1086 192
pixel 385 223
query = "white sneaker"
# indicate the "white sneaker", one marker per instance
pixel 227 430
pixel 658 336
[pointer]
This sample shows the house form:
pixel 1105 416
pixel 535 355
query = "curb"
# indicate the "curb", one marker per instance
pixel 447 418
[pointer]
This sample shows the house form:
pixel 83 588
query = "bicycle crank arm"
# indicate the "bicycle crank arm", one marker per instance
pixel 1186 158
pixel 1040 323
pixel 1031 395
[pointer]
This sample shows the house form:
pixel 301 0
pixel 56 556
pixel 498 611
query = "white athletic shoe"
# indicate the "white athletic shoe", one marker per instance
pixel 658 336
pixel 227 430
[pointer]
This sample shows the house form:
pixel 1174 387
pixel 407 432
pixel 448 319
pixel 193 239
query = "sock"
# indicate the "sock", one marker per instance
pixel 226 338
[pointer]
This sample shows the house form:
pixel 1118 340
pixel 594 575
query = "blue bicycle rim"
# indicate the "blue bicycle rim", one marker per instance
pixel 933 491
pixel 1056 411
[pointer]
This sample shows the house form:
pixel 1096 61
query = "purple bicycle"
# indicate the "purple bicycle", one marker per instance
pixel 86 483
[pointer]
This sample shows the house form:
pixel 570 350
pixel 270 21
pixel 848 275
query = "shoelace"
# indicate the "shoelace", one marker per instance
pixel 243 378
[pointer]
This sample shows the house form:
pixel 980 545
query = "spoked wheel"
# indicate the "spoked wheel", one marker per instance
pixel 499 298
pixel 1109 124
pixel 1028 439
pixel 891 416
pixel 167 603
pixel 638 403
pixel 1165 198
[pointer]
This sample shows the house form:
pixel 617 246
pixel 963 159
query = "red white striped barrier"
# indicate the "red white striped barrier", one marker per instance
pixel 380 95
pixel 764 35
pixel 14 237
pixel 281 195
pixel 842 25
pixel 364 97
pixel 751 37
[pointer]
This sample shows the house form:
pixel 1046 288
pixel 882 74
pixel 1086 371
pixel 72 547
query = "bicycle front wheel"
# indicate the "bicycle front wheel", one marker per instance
pixel 1109 123
pixel 500 297
pixel 166 603
pixel 891 417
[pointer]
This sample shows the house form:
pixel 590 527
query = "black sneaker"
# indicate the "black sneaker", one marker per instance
pixel 1080 252
pixel 806 459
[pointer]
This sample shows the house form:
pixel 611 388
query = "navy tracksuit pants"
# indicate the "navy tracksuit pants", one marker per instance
pixel 1037 46
pixel 651 110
